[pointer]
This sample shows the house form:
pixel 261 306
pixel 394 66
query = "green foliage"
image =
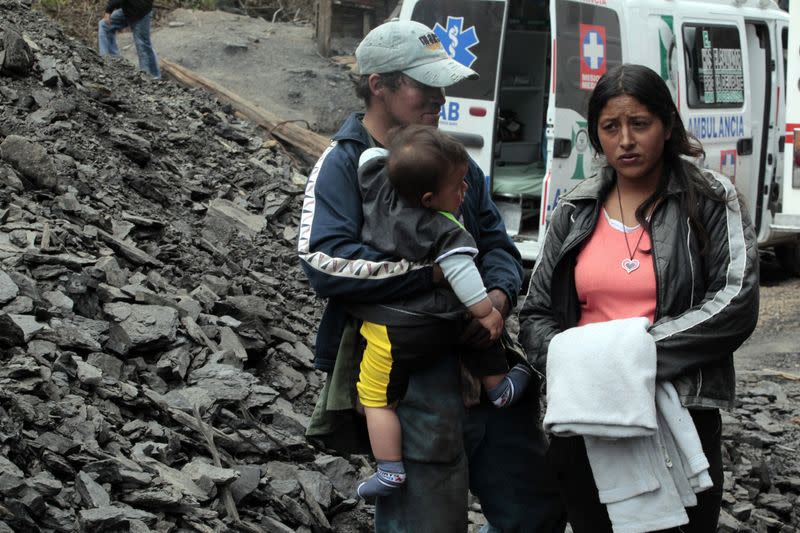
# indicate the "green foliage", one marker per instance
pixel 51 5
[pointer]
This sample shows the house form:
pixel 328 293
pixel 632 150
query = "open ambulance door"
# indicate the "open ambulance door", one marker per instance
pixel 724 95
pixel 472 33
pixel 788 219
pixel 588 42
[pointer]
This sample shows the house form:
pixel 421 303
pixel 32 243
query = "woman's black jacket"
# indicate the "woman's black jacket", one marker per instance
pixel 706 304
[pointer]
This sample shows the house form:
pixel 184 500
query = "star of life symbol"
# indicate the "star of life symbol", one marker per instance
pixel 458 41
pixel 593 50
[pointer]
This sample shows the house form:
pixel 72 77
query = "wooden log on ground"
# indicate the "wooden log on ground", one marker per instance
pixel 306 141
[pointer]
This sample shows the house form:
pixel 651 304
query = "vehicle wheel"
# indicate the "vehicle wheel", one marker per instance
pixel 789 257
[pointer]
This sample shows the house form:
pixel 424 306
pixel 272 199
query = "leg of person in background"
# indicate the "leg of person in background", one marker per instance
pixel 148 61
pixel 507 468
pixel 434 498
pixel 107 33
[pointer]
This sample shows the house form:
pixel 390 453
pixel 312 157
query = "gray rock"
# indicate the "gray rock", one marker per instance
pixel 230 341
pixel 21 305
pixel 155 498
pixel 223 382
pixel 260 396
pixel 18 55
pixel 109 365
pixel 198 469
pixel 112 518
pixel 59 300
pixel 137 148
pixel 191 306
pixel 110 271
pixel 317 486
pixel 289 381
pixel 8 289
pixel 147 327
pixel 203 294
pixel 339 471
pixel 183 483
pixel 91 492
pixel 742 511
pixel 174 363
pixel 249 478
pixel 88 374
pixel 9 178
pixel 11 334
pixel 27 287
pixel 9 468
pixel 31 160
pixel 299 354
pixel 56 443
pixel 223 215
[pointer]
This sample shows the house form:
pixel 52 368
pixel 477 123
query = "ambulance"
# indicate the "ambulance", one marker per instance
pixel 788 218
pixel 524 121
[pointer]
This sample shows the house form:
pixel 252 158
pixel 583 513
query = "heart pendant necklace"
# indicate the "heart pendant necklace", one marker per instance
pixel 629 264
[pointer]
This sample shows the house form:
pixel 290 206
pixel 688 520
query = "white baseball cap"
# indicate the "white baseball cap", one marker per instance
pixel 413 49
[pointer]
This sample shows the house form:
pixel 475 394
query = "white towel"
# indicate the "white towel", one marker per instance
pixel 643 448
pixel 613 394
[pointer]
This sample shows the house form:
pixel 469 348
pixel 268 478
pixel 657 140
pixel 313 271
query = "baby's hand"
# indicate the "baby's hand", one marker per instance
pixel 493 322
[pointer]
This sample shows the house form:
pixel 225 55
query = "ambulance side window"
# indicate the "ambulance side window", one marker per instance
pixel 714 77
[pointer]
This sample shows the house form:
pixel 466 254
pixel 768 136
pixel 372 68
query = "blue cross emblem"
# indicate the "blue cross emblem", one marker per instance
pixel 457 41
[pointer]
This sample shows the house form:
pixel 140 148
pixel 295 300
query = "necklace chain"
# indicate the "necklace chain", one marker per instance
pixel 624 229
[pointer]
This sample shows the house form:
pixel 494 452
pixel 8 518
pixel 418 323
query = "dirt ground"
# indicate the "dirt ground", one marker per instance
pixel 775 344
pixel 275 65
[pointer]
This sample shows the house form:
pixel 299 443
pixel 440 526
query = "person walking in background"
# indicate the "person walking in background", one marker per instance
pixel 447 449
pixel 136 15
pixel 654 236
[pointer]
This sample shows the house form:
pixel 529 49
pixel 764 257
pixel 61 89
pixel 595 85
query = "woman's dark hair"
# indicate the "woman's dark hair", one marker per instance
pixel 390 79
pixel 647 87
pixel 420 160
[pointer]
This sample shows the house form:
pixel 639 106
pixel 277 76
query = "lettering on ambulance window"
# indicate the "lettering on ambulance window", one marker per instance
pixel 714 74
pixel 470 32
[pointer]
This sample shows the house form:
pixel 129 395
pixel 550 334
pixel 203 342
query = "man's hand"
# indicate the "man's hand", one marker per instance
pixel 493 323
pixel 107 18
pixel 500 302
pixel 438 276
pixel 475 334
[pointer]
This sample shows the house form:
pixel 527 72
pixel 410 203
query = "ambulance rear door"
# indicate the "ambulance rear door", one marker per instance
pixel 472 33
pixel 588 42
pixel 720 104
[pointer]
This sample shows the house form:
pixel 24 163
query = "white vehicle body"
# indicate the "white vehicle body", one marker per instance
pixel 789 217
pixel 524 120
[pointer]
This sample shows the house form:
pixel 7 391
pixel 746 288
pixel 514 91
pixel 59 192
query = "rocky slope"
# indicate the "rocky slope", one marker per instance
pixel 155 369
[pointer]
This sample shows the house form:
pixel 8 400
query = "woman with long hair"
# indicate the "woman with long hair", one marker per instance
pixel 651 235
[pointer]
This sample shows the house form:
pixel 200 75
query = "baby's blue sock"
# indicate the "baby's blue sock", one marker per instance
pixel 508 391
pixel 390 476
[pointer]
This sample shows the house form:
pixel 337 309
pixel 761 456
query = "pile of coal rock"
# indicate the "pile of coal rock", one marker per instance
pixel 155 326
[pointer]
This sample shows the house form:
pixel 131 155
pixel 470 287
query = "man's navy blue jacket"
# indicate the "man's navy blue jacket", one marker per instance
pixel 342 268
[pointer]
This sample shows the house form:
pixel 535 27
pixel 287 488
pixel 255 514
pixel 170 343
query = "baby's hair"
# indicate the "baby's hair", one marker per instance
pixel 420 159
